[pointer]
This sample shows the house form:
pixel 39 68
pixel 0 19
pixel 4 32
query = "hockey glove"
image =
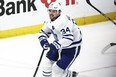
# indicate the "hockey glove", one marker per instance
pixel 53 51
pixel 44 42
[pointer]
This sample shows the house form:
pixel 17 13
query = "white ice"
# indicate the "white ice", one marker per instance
pixel 19 55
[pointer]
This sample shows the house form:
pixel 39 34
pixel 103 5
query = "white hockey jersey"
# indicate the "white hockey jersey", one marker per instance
pixel 64 30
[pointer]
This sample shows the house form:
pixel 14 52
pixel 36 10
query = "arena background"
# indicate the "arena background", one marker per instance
pixel 20 17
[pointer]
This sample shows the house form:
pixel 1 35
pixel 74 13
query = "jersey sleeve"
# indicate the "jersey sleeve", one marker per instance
pixel 45 32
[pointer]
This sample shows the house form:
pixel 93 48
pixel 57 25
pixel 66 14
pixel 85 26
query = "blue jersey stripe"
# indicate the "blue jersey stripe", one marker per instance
pixel 45 33
pixel 68 38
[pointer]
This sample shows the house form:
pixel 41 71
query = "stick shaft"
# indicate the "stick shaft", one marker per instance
pixel 38 63
pixel 108 18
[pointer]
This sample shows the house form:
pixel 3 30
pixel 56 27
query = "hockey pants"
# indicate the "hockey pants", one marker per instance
pixel 58 65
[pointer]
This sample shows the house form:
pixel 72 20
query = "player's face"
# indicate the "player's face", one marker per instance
pixel 53 14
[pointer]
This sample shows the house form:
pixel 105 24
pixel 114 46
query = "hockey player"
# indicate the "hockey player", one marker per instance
pixel 66 46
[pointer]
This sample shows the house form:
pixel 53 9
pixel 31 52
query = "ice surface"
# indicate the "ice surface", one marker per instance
pixel 19 55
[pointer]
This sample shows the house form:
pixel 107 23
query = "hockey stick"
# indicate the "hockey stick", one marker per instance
pixel 39 63
pixel 88 1
pixel 111 44
pixel 107 47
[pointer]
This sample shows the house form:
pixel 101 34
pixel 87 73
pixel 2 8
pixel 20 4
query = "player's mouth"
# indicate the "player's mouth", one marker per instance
pixel 52 16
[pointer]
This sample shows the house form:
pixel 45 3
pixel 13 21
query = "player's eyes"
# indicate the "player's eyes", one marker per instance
pixel 52 11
